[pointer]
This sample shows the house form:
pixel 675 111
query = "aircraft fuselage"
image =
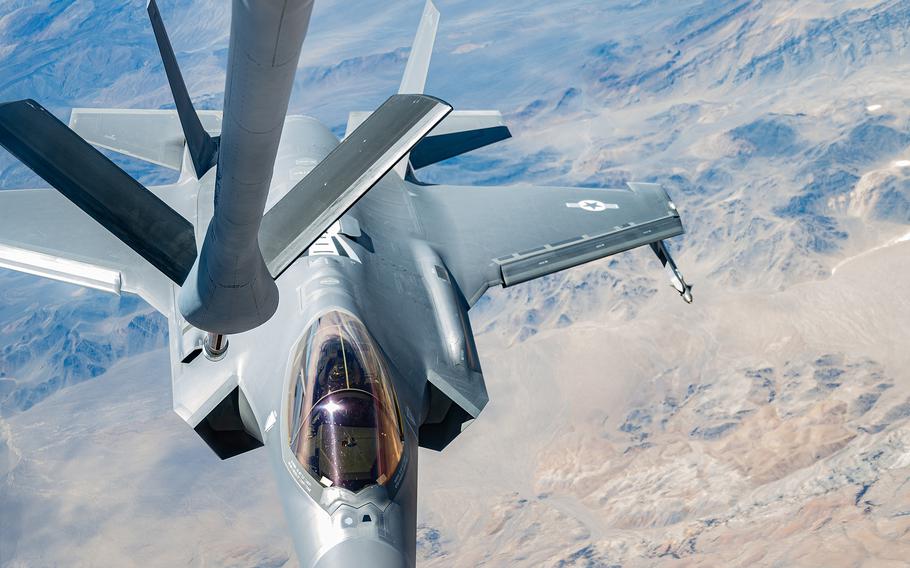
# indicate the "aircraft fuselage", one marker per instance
pixel 374 266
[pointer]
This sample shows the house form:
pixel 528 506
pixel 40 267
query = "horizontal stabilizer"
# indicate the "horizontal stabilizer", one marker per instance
pixel 459 133
pixel 203 148
pixel 96 185
pixel 344 176
pixel 154 136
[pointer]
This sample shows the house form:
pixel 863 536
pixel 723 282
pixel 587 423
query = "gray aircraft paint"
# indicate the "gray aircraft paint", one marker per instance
pixel 407 260
pixel 229 288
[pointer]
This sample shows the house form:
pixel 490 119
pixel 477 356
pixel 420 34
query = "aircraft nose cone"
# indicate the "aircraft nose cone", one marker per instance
pixel 362 552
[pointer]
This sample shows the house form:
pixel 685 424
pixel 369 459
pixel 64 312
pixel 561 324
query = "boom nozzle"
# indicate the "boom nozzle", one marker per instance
pixel 215 346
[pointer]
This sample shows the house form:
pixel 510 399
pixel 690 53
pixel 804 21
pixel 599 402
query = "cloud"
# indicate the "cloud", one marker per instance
pixel 469 47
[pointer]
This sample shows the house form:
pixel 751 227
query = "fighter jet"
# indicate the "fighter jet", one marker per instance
pixel 317 292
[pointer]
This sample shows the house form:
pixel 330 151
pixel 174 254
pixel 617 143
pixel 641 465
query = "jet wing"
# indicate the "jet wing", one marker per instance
pixel 490 236
pixel 42 233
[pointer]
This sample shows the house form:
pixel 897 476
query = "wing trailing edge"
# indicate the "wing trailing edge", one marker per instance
pixel 502 236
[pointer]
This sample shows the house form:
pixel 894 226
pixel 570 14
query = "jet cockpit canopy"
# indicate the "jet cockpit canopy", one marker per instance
pixel 343 420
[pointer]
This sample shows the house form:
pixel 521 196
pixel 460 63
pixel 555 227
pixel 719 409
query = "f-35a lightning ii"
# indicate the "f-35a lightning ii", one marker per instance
pixel 330 292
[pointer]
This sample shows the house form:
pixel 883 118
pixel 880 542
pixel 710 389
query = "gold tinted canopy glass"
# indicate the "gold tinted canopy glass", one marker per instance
pixel 343 420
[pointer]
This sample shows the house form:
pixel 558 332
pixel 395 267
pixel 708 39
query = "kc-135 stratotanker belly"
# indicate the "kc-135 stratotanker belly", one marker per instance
pixel 317 292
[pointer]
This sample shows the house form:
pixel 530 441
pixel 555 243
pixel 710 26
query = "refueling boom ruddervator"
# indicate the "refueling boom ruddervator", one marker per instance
pixel 343 282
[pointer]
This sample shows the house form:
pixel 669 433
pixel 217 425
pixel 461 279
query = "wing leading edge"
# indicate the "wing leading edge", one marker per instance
pixel 491 236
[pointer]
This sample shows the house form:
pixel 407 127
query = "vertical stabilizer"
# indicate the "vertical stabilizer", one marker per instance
pixel 415 72
pixel 414 79
pixel 203 148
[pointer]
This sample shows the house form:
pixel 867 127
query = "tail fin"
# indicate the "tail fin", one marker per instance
pixel 414 79
pixel 96 185
pixel 415 72
pixel 203 148
pixel 460 132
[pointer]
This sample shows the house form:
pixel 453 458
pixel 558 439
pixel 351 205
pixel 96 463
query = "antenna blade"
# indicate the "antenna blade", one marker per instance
pixel 203 148
pixel 415 72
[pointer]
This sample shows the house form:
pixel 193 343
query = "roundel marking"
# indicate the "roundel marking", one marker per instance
pixel 592 205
